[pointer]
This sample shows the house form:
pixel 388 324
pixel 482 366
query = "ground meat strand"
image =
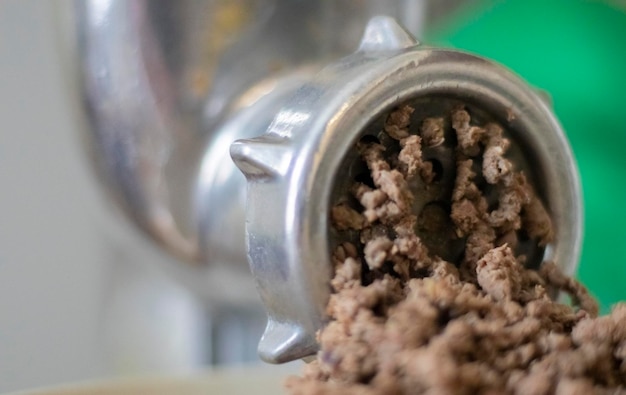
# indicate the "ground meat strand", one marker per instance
pixel 398 122
pixel 432 132
pixel 468 136
pixel 495 165
pixel 345 217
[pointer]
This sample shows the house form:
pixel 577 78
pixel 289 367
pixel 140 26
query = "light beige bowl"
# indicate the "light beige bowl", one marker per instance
pixel 250 380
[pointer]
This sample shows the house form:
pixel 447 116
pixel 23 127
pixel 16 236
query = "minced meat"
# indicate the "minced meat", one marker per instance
pixel 404 321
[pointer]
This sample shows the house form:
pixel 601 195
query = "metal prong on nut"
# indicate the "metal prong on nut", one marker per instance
pixel 281 343
pixel 261 157
pixel 384 33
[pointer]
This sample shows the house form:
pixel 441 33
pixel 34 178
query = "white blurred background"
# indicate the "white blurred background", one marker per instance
pixel 80 294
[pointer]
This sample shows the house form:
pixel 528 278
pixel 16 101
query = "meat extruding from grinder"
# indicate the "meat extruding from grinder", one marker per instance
pixel 402 320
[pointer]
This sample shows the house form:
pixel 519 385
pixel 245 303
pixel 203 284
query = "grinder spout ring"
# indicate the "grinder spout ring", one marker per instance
pixel 293 169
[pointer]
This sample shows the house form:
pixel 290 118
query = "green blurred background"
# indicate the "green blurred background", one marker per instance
pixel 576 51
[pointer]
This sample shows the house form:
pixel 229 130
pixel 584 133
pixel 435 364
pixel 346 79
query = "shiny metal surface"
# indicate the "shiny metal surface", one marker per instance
pixel 168 85
pixel 293 169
